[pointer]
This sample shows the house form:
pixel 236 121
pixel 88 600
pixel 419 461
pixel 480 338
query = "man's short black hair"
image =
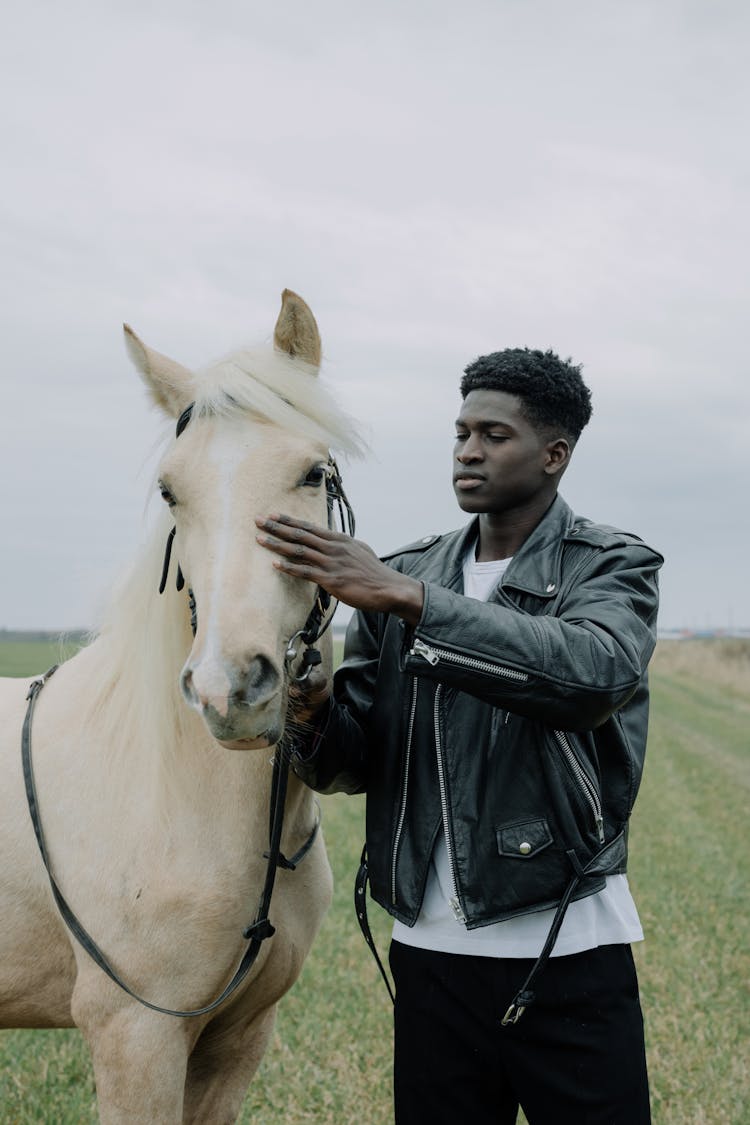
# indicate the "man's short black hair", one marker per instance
pixel 553 394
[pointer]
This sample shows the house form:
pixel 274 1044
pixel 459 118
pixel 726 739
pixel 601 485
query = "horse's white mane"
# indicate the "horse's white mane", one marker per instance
pixel 272 385
pixel 143 638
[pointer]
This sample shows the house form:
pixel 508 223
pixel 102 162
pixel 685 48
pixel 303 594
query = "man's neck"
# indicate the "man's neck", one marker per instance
pixel 502 534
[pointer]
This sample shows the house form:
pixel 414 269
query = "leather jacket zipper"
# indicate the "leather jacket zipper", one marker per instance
pixel 584 782
pixel 454 901
pixel 433 655
pixel 404 789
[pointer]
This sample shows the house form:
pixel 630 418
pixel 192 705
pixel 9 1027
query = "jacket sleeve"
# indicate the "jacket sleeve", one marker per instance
pixel 570 670
pixel 333 758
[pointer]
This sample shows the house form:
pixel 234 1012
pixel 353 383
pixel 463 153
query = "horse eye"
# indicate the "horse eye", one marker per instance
pixel 315 477
pixel 166 495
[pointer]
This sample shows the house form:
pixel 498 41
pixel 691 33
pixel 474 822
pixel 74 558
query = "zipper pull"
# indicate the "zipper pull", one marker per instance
pixel 600 828
pixel 457 911
pixel 419 648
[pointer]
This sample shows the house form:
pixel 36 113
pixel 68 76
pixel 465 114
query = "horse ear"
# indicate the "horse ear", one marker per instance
pixel 169 383
pixel 296 332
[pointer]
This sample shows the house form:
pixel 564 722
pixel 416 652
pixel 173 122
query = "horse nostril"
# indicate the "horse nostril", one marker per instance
pixel 186 685
pixel 261 680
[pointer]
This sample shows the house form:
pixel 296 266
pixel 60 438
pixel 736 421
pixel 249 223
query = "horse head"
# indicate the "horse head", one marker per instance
pixel 253 438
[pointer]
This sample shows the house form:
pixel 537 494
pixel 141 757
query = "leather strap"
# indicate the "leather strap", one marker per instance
pixel 599 864
pixel 525 996
pixel 360 905
pixel 256 932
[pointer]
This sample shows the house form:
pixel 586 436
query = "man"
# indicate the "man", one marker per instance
pixel 493 705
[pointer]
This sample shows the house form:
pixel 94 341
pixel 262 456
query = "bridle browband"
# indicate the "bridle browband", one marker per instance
pixel 256 933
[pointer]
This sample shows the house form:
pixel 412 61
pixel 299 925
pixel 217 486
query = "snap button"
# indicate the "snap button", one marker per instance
pixel 551 587
pixel 524 848
pixel 428 538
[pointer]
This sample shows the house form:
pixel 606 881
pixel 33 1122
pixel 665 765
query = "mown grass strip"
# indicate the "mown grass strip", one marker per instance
pixel 690 873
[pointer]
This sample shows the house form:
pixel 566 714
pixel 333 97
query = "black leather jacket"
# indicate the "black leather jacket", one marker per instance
pixel 518 725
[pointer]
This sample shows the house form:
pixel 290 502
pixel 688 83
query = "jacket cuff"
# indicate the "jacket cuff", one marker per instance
pixel 306 745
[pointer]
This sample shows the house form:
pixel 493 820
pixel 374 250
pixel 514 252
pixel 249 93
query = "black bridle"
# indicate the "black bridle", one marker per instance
pixel 256 933
pixel 321 614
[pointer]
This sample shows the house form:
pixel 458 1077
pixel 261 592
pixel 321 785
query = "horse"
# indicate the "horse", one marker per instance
pixel 152 754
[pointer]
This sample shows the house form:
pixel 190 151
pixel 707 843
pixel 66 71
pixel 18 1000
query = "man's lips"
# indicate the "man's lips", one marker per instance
pixel 467 481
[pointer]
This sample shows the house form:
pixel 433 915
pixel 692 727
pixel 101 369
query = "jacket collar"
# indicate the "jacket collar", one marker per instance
pixel 536 566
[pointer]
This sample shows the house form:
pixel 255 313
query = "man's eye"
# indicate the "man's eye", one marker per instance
pixel 315 476
pixel 166 495
pixel 497 437
pixel 461 437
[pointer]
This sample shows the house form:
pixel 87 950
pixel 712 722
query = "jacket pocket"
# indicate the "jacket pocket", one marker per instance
pixel 524 839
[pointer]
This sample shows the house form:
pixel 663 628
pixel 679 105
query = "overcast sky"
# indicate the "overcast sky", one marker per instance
pixel 438 180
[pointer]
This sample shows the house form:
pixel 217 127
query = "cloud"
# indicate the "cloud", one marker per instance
pixel 438 181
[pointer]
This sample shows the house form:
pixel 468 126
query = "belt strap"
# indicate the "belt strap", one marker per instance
pixel 525 996
pixel 598 865
pixel 360 905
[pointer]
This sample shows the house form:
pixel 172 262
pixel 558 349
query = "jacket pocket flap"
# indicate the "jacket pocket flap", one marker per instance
pixel 524 839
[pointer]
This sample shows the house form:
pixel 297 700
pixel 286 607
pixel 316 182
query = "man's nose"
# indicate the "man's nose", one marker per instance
pixel 471 450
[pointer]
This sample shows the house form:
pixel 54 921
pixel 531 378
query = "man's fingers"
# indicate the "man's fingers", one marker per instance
pixel 291 529
pixel 298 570
pixel 295 551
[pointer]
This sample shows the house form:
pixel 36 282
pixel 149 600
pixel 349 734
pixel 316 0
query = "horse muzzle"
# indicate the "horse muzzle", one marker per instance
pixel 240 706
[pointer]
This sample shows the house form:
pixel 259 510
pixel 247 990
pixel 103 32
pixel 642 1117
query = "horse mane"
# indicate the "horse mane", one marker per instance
pixel 143 638
pixel 280 389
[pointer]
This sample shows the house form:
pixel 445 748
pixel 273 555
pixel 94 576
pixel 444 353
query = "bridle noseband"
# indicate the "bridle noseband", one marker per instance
pixel 321 614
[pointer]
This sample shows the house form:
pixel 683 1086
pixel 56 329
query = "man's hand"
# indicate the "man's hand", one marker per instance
pixel 310 697
pixel 345 567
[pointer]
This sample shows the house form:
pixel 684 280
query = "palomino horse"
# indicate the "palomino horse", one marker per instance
pixel 151 758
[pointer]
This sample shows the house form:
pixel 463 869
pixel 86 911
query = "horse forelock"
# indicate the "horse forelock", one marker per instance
pixel 271 385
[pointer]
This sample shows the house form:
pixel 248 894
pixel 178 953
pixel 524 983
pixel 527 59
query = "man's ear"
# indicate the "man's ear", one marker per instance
pixel 557 456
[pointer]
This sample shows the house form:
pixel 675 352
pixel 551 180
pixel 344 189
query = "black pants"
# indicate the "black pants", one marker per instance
pixel 576 1056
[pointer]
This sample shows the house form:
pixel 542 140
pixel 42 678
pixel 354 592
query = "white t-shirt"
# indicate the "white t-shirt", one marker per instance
pixel 606 918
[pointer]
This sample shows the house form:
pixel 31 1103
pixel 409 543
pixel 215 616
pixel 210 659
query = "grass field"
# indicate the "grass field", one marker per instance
pixel 690 871
pixel 30 656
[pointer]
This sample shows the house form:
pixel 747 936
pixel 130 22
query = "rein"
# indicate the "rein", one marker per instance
pixel 256 933
pixel 318 621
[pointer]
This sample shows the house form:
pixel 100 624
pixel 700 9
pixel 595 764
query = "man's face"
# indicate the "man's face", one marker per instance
pixel 500 462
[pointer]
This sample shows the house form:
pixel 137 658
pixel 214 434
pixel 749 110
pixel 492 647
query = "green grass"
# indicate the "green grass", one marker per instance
pixel 690 873
pixel 329 1061
pixel 29 657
